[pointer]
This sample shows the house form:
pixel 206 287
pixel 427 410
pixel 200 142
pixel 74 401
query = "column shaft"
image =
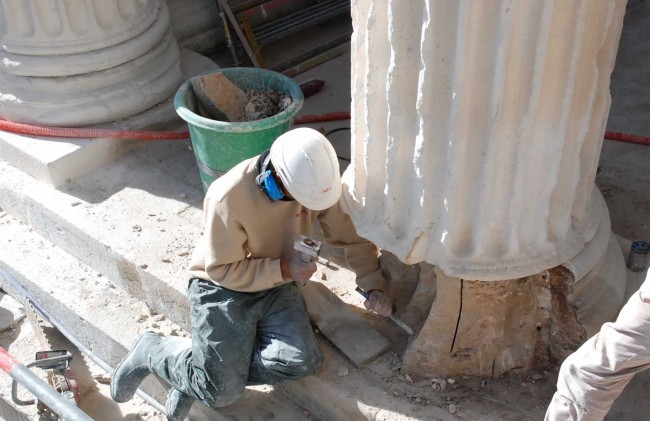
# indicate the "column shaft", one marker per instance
pixel 477 128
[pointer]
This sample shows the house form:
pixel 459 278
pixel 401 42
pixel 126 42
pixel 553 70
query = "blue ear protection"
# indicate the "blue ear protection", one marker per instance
pixel 267 181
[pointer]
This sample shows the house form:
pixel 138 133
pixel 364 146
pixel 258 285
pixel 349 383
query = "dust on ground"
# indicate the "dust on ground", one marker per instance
pixel 518 395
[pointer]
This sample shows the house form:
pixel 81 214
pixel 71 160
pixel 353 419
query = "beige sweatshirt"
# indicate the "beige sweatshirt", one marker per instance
pixel 246 234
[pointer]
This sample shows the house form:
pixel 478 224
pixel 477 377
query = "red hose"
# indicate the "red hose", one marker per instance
pixel 317 118
pixel 629 138
pixel 30 129
pixel 79 132
pixel 83 132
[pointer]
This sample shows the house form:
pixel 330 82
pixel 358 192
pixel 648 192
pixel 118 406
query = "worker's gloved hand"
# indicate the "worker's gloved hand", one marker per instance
pixel 293 267
pixel 378 302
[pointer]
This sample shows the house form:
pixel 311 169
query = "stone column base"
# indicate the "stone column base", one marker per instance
pixel 488 328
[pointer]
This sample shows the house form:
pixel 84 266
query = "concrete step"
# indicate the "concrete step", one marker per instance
pixel 106 319
pixel 134 220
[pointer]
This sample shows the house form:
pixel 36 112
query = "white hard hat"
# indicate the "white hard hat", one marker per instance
pixel 308 167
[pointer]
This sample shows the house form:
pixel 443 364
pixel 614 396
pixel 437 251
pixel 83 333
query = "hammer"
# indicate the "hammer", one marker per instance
pixel 310 251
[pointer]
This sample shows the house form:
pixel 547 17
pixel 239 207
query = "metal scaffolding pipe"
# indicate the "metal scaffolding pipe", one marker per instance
pixel 44 392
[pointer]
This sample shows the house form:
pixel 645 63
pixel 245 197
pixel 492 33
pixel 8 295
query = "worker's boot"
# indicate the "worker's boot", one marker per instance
pixel 133 368
pixel 178 405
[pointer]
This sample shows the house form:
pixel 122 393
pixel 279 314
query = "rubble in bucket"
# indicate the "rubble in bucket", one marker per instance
pixel 220 99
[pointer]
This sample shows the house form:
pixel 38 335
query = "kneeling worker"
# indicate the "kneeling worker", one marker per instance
pixel 249 321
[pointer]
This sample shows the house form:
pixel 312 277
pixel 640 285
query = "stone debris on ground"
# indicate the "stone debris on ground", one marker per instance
pixel 452 395
pixel 159 323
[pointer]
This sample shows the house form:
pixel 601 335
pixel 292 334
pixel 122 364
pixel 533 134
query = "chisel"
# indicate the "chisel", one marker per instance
pixel 397 321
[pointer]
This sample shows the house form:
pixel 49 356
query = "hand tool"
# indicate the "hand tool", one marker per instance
pixel 397 321
pixel 310 250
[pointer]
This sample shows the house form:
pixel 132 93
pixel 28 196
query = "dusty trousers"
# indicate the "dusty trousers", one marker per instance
pixel 238 339
pixel 593 377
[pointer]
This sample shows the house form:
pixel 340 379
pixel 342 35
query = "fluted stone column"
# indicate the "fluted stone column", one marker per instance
pixel 477 129
pixel 84 62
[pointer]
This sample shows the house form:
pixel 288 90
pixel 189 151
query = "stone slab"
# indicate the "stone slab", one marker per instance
pixel 55 160
pixel 349 332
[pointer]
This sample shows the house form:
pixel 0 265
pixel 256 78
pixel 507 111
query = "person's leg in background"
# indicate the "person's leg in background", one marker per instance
pixel 593 377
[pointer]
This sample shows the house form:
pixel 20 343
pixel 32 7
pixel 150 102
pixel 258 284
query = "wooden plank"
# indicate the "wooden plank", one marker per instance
pixel 347 330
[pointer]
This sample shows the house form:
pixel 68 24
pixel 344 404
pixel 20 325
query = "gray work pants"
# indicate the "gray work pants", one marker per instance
pixel 593 377
pixel 238 339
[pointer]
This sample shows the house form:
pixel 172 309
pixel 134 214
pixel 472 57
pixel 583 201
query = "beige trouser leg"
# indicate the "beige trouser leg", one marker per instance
pixel 594 376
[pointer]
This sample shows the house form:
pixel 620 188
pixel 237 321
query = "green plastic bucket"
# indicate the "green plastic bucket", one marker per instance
pixel 220 145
